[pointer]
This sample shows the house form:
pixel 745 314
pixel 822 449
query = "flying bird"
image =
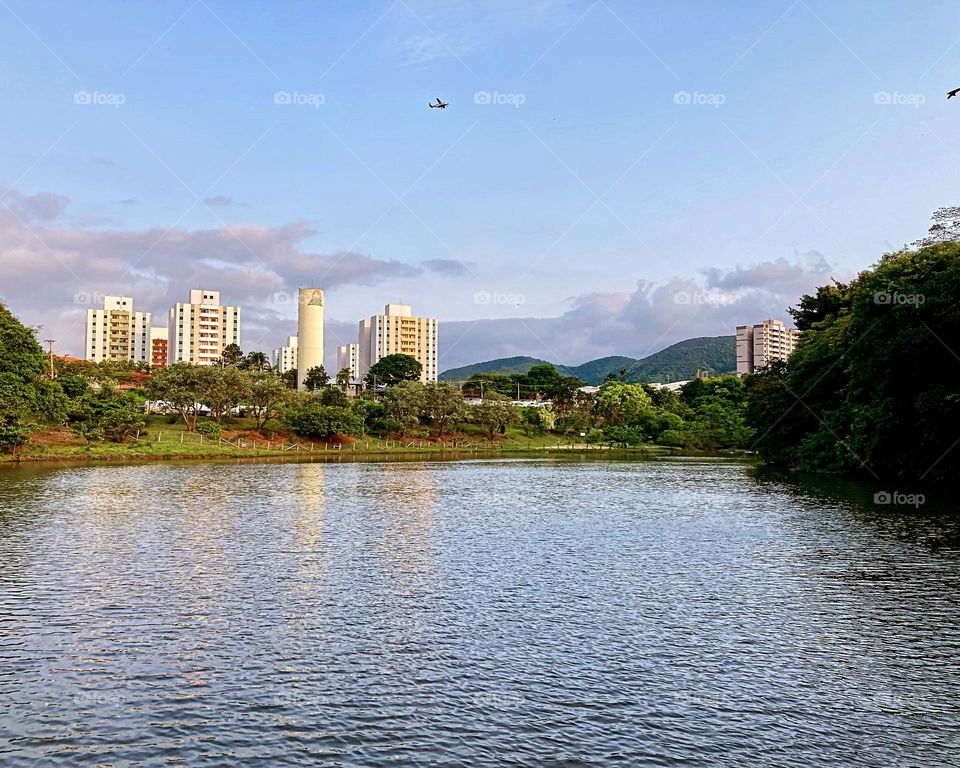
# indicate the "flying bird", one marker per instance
pixel 443 104
pixel 954 92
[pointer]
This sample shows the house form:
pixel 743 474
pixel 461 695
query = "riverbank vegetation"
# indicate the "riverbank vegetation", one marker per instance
pixel 874 385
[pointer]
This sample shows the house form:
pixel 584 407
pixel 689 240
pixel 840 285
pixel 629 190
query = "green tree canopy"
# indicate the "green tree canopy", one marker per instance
pixel 404 402
pixel 316 378
pixel 310 419
pixel 393 369
pixel 442 404
pixel 873 385
pixel 231 355
pixel 265 395
pixel 620 403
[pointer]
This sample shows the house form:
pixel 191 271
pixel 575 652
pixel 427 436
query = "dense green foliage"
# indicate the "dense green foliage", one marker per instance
pixel 540 382
pixel 316 378
pixel 308 418
pixel 874 385
pixel 393 369
pixel 106 414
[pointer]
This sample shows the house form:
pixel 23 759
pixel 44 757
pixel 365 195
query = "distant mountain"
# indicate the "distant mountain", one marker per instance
pixel 501 365
pixel 716 354
pixel 595 371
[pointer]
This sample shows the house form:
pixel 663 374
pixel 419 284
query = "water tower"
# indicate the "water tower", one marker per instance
pixel 309 332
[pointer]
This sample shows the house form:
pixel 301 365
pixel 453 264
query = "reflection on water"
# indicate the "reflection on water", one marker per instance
pixel 535 613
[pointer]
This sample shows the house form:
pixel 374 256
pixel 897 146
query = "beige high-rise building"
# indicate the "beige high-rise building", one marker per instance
pixel 285 357
pixel 116 332
pixel 309 332
pixel 398 331
pixel 347 357
pixel 199 330
pixel 762 343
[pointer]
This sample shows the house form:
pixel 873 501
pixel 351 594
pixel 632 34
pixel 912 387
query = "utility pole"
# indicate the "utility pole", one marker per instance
pixel 50 343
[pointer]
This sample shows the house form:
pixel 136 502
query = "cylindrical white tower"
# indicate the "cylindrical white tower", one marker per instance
pixel 309 332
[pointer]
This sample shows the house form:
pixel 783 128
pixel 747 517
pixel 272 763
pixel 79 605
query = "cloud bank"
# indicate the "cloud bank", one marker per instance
pixel 51 272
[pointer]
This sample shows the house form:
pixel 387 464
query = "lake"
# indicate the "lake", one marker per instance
pixel 473 613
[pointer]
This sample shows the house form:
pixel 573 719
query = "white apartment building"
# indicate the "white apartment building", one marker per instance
pixel 398 331
pixel 116 332
pixel 762 343
pixel 348 356
pixel 199 330
pixel 285 358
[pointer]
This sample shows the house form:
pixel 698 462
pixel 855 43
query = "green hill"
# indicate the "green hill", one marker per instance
pixel 595 371
pixel 506 365
pixel 716 354
pixel 680 361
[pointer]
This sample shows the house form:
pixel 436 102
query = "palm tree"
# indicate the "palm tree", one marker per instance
pixel 257 361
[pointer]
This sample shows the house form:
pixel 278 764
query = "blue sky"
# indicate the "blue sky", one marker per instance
pixel 579 202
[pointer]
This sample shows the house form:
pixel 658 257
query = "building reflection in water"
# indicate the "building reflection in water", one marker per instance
pixel 405 496
pixel 308 499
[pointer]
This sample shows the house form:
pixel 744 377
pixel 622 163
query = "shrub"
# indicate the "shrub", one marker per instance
pixel 209 429
pixel 107 413
pixel 310 419
pixel 12 435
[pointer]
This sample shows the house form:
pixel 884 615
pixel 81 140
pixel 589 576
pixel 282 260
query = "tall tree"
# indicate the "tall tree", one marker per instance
pixel 222 389
pixel 231 355
pixel 256 361
pixel 266 394
pixel 21 365
pixel 316 378
pixel 619 403
pixel 181 385
pixel 393 369
pixel 443 404
pixel 404 403
pixel 496 414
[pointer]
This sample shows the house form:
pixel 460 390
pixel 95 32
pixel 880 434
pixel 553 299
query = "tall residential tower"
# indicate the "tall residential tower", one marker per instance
pixel 398 331
pixel 199 330
pixel 762 343
pixel 116 332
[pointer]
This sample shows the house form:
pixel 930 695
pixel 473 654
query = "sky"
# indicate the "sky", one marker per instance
pixel 610 177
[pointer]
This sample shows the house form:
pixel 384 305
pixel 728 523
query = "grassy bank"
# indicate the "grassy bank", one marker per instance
pixel 162 440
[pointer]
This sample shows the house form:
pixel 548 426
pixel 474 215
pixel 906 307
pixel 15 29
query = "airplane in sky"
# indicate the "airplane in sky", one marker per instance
pixel 439 105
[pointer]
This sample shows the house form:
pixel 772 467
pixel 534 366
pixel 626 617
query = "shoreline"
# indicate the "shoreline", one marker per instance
pixel 645 452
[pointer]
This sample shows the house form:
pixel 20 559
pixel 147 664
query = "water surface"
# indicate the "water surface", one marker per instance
pixel 481 613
